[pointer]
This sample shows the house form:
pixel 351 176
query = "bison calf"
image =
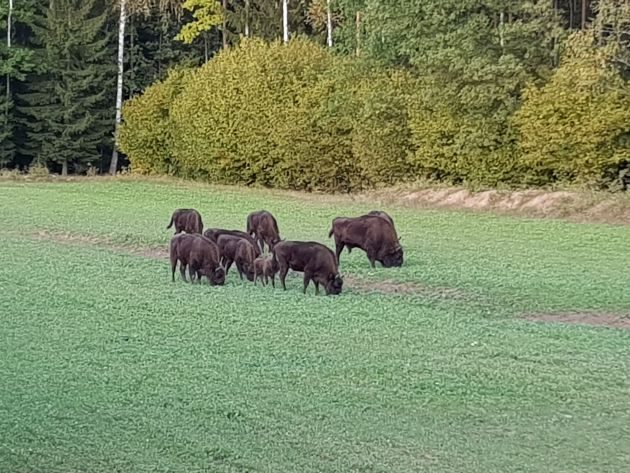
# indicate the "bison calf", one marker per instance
pixel 265 268
pixel 199 255
pixel 264 227
pixel 186 220
pixel 316 261
pixel 373 234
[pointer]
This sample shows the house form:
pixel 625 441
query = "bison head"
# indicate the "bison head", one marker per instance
pixel 394 258
pixel 334 284
pixel 217 277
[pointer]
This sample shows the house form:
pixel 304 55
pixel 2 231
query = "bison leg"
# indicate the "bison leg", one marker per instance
pixel 192 274
pixel 316 288
pixel 372 261
pixel 261 243
pixel 307 279
pixel 173 267
pixel 182 270
pixel 228 265
pixel 239 268
pixel 339 245
pixel 283 274
pixel 273 281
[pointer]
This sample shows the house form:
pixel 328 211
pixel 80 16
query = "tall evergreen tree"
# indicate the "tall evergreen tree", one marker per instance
pixel 67 113
pixel 15 62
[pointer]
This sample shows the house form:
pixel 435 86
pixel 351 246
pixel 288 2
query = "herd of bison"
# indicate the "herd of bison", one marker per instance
pixel 211 252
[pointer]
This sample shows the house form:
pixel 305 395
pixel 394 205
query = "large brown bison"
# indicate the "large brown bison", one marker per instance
pixel 244 259
pixel 265 268
pixel 385 215
pixel 214 234
pixel 186 220
pixel 264 227
pixel 373 234
pixel 199 255
pixel 316 261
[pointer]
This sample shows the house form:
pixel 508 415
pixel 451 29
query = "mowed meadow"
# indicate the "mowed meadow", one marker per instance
pixel 448 364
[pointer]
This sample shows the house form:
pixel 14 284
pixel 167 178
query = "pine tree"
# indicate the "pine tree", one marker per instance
pixel 67 114
pixel 15 62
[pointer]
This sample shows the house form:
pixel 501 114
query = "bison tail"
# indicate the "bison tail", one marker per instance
pixel 170 224
pixel 331 232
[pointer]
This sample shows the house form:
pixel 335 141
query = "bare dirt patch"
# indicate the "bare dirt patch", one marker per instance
pixel 604 319
pixel 580 206
pixel 150 252
pixel 403 288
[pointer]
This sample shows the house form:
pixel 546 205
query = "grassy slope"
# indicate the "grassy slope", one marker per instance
pixel 113 368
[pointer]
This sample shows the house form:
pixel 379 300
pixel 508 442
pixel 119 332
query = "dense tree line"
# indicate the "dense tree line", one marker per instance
pixel 480 91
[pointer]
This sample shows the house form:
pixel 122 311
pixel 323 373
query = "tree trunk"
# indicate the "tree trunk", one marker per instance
pixel 64 168
pixel 584 8
pixel 247 18
pixel 224 27
pixel 285 20
pixel 205 46
pixel 501 25
pixel 358 33
pixel 571 13
pixel 9 21
pixel 329 25
pixel 119 85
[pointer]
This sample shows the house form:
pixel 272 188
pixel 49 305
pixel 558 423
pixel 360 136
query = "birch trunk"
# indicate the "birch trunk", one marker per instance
pixel 224 27
pixel 119 85
pixel 329 25
pixel 358 33
pixel 584 14
pixel 501 25
pixel 285 20
pixel 247 18
pixel 9 19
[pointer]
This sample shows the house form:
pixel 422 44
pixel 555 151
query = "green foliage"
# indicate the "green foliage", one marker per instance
pixel 577 126
pixel 15 63
pixel 290 116
pixel 206 13
pixel 65 103
pixel 146 134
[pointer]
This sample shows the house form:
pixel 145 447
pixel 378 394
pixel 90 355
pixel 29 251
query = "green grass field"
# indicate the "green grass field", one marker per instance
pixel 107 366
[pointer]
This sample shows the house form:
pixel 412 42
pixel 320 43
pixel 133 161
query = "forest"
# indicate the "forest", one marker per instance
pixel 331 95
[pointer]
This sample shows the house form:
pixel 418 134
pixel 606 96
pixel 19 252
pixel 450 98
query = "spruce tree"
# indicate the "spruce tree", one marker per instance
pixel 66 110
pixel 15 62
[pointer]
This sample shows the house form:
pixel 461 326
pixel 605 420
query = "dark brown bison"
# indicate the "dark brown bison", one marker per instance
pixel 265 268
pixel 228 245
pixel 316 261
pixel 186 220
pixel 200 255
pixel 264 227
pixel 373 234
pixel 244 259
pixel 214 234
pixel 385 215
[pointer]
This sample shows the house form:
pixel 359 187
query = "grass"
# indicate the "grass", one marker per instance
pixel 109 367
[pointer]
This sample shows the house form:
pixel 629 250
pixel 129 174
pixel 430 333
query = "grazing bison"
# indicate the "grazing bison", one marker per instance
pixel 214 234
pixel 316 261
pixel 385 215
pixel 186 220
pixel 264 227
pixel 200 255
pixel 373 234
pixel 227 246
pixel 244 259
pixel 265 268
